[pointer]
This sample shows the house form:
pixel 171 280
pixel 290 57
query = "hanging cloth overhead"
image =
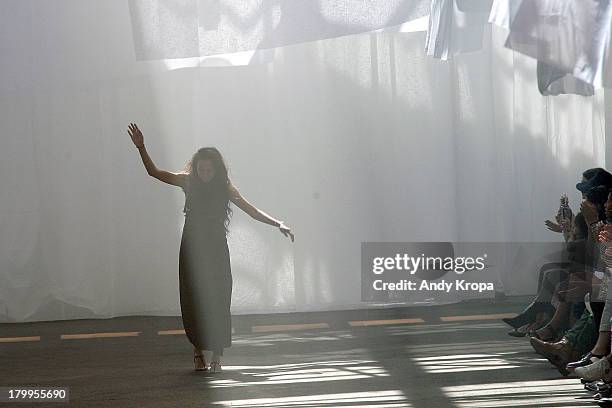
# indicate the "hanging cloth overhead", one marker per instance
pixel 503 11
pixel 571 36
pixel 196 28
pixel 553 81
pixel 456 27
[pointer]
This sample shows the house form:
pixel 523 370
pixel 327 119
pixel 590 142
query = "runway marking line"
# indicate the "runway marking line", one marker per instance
pixel 98 335
pixel 288 327
pixel 170 332
pixel 367 323
pixel 178 331
pixel 477 317
pixel 19 339
pixel 273 328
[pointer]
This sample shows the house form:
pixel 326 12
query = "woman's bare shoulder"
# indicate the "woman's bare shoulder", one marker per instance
pixel 233 191
pixel 184 178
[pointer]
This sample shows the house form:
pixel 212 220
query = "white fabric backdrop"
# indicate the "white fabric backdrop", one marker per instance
pixel 358 138
pixel 191 28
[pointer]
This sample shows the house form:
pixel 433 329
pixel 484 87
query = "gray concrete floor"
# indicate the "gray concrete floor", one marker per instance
pixel 436 363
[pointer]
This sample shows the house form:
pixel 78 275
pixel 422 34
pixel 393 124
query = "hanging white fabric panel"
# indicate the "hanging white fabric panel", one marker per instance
pixel 455 27
pixel 553 81
pixel 503 12
pixel 573 36
pixel 193 28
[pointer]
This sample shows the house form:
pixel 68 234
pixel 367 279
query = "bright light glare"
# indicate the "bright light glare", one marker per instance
pixel 395 398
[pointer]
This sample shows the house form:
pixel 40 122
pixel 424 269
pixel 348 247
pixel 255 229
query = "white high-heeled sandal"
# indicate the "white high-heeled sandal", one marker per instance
pixel 200 356
pixel 215 367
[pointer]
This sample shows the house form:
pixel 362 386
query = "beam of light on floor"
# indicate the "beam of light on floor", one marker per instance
pixel 271 339
pixel 464 363
pixel 466 357
pixel 390 398
pixel 340 363
pixel 442 328
pixel 497 347
pixel 299 373
pixel 519 394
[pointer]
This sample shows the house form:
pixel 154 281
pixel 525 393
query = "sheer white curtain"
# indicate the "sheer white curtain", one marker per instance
pixel 348 139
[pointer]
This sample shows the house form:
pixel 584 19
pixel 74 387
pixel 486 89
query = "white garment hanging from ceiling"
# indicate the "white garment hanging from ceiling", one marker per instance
pixel 573 36
pixel 551 80
pixel 455 27
pixel 198 28
pixel 503 11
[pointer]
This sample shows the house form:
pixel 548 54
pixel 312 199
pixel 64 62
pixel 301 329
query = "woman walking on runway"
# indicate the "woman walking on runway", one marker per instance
pixel 205 276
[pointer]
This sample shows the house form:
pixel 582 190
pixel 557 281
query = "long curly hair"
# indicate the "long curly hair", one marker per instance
pixel 218 185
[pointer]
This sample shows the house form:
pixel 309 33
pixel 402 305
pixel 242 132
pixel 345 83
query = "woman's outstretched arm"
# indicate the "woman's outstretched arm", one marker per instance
pixel 176 179
pixel 256 213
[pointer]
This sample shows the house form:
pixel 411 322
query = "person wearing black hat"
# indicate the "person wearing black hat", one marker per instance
pixel 577 280
pixel 594 178
pixel 552 274
pixel 594 192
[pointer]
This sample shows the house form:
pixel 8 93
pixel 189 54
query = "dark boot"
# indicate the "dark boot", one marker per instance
pixel 559 354
pixel 529 314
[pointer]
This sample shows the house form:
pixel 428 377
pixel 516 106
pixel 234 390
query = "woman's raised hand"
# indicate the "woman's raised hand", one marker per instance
pixel 136 135
pixel 286 231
